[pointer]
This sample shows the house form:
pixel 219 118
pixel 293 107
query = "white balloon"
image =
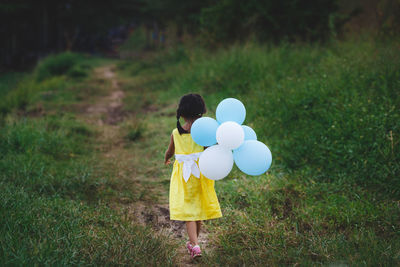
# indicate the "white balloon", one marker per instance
pixel 230 135
pixel 216 162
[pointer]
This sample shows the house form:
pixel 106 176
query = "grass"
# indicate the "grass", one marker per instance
pixel 56 231
pixel 330 117
pixel 55 198
pixel 72 64
pixel 51 76
pixel 48 202
pixel 9 81
pixel 329 114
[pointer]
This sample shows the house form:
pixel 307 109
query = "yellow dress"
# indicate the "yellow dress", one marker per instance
pixel 195 199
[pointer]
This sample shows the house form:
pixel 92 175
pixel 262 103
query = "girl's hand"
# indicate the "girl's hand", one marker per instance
pixel 167 162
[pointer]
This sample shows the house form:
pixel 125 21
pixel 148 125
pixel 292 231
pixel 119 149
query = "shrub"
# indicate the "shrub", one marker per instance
pixel 55 65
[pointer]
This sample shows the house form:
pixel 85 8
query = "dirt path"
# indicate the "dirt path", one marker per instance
pixel 107 115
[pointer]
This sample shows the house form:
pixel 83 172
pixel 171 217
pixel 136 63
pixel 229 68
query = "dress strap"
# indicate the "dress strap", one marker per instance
pixel 189 164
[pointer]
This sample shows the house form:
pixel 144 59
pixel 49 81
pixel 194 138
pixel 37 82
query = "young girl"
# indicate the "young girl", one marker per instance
pixel 192 196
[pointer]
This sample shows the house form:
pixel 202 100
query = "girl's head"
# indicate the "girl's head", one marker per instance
pixel 191 106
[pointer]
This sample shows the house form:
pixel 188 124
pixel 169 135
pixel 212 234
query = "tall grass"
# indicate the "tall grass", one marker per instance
pixel 53 73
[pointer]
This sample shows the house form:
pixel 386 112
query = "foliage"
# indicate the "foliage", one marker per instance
pixel 137 40
pixel 51 76
pixel 38 28
pixel 9 80
pixel 60 64
pixel 268 20
pixel 27 91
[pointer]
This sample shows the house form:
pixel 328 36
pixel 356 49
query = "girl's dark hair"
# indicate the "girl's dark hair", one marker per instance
pixel 190 106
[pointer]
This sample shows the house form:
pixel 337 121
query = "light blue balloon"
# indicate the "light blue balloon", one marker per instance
pixel 249 133
pixel 204 131
pixel 231 109
pixel 253 157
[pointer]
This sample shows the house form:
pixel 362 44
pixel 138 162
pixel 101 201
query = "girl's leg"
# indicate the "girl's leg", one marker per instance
pixel 191 228
pixel 198 224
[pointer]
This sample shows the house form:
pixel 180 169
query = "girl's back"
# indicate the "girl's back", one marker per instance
pixel 184 143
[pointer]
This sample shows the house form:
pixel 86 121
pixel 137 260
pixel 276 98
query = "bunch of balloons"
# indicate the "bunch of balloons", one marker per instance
pixel 236 143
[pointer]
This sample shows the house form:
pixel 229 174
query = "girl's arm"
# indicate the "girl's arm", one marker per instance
pixel 170 151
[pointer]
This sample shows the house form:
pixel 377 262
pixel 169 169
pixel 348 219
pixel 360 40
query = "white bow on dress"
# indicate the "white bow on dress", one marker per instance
pixel 189 164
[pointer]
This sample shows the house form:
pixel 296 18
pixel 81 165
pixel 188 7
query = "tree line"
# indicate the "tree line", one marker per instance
pixel 32 29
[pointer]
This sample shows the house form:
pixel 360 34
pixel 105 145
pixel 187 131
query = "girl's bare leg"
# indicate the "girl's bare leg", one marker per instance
pixel 191 228
pixel 198 224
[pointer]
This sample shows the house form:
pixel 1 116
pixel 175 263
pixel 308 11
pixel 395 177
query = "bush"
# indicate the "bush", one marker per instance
pixel 78 71
pixel 137 41
pixel 268 20
pixel 20 90
pixel 55 65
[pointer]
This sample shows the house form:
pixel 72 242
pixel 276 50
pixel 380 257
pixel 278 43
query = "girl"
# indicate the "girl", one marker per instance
pixel 192 196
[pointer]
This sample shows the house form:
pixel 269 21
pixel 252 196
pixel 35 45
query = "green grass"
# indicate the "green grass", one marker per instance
pixel 40 230
pixel 38 156
pixel 67 63
pixel 52 75
pixel 49 192
pixel 330 116
pixel 54 195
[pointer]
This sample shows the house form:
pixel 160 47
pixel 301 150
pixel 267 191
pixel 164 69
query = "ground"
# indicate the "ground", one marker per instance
pixel 107 115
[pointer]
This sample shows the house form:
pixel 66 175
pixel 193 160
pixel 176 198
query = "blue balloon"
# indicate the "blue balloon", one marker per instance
pixel 253 157
pixel 231 109
pixel 249 133
pixel 204 131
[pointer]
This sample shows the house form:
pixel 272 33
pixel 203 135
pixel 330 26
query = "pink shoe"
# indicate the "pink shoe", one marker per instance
pixel 189 247
pixel 196 252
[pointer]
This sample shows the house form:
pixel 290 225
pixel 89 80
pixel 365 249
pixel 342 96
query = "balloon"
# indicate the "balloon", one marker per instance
pixel 216 162
pixel 231 109
pixel 230 135
pixel 203 131
pixel 249 133
pixel 253 157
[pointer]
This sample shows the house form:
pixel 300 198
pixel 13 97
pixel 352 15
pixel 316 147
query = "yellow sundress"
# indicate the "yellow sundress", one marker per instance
pixel 195 199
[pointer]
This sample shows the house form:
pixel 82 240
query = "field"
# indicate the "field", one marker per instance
pixel 82 143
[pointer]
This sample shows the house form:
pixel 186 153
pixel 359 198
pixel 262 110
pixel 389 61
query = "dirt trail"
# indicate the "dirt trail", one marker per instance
pixel 106 114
